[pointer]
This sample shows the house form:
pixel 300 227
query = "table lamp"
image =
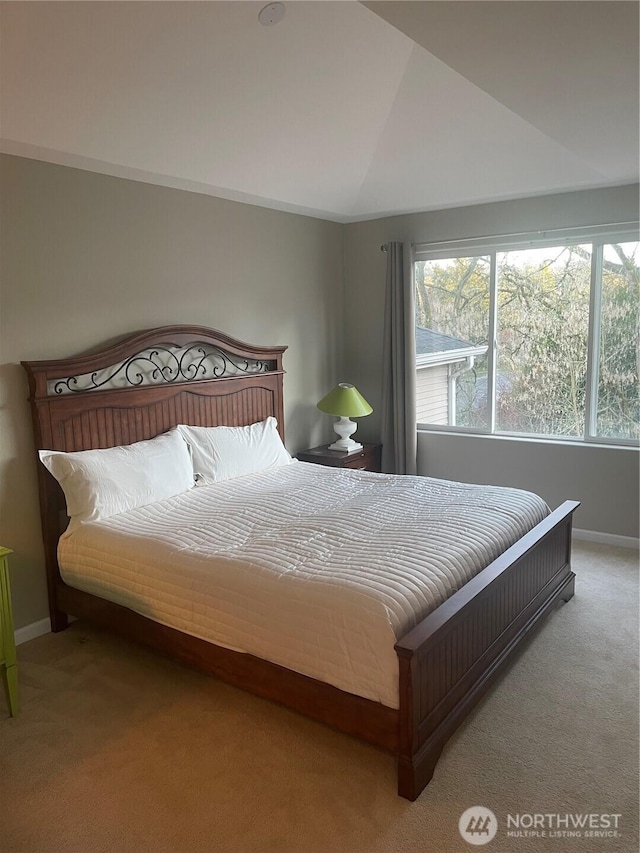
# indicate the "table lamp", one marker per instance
pixel 346 402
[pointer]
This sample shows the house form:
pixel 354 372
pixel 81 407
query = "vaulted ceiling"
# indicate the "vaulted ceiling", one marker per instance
pixel 343 110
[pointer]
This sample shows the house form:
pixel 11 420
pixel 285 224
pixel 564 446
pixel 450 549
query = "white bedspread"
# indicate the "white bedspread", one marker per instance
pixel 317 569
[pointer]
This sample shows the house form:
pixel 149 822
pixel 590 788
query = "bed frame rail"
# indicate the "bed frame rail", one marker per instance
pixel 449 660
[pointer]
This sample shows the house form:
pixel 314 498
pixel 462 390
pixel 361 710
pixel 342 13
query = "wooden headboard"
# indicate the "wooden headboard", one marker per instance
pixel 136 389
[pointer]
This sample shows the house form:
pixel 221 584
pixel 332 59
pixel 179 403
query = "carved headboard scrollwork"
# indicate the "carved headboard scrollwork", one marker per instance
pixel 160 364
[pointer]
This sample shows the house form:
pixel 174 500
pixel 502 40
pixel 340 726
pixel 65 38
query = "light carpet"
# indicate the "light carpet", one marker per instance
pixel 117 750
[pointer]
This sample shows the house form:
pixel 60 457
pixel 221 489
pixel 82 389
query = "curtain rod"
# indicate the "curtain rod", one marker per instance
pixel 525 234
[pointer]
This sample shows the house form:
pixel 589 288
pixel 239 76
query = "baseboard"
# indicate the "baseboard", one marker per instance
pixel 607 538
pixel 30 632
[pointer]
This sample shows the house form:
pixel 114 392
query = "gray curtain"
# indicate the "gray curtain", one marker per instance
pixel 399 434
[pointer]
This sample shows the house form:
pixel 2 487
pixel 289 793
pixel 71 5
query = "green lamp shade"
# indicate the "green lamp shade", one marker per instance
pixel 345 401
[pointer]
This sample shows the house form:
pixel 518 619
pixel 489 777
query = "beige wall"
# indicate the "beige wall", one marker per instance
pixel 606 480
pixel 86 257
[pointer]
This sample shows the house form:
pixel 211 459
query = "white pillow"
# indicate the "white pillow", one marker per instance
pixel 101 483
pixel 222 453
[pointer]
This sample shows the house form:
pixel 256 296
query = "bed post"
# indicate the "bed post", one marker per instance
pixel 51 498
pixel 59 619
pixel 51 507
pixel 415 766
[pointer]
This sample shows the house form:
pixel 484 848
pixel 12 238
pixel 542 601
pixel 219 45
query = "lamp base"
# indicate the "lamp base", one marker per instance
pixel 345 444
pixel 345 428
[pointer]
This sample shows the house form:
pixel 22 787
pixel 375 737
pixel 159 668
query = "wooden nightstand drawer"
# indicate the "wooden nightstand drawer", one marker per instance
pixel 367 459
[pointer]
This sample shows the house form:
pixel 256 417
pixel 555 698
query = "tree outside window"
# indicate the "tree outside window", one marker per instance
pixel 542 298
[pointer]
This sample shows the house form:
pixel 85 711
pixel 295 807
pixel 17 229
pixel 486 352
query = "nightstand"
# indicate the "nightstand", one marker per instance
pixel 8 666
pixel 367 459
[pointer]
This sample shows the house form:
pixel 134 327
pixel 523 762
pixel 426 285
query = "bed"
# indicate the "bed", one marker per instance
pixel 146 384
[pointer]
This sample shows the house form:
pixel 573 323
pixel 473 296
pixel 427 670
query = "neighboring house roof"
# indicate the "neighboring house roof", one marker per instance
pixel 436 348
pixel 428 341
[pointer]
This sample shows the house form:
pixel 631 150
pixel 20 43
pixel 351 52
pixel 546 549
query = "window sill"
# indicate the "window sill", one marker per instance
pixel 528 439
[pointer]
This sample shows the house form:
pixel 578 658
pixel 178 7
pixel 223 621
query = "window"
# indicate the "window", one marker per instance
pixel 452 327
pixel 535 338
pixel 617 372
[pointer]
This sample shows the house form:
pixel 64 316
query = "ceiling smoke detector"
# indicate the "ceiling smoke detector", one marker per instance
pixel 271 14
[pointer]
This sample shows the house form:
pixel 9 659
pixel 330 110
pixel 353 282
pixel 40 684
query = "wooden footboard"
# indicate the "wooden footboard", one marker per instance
pixel 450 659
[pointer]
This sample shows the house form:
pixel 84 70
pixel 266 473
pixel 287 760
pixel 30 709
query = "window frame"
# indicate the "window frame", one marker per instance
pixel 598 236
